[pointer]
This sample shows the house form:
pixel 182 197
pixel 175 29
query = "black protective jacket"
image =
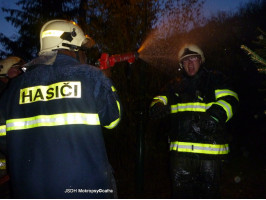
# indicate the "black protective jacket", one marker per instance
pixel 54 116
pixel 193 102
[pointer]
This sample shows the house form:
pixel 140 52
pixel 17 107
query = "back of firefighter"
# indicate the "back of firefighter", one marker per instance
pixel 53 114
pixel 199 105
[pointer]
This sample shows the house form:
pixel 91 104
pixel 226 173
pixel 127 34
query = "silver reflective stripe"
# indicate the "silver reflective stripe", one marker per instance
pixel 202 107
pixel 199 148
pixel 52 120
pixel 192 147
pixel 194 107
pixel 173 146
pixel 162 99
pixel 225 92
pixel 2 130
pixel 2 164
pixel 227 107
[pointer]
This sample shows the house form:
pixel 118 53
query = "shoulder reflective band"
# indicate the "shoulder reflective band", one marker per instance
pixel 2 130
pixel 199 148
pixel 114 123
pixel 52 33
pixel 52 120
pixel 2 164
pixel 60 90
pixel 161 99
pixel 227 108
pixel 193 107
pixel 225 92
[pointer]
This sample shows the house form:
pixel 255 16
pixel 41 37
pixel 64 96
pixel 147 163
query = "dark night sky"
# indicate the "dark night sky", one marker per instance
pixel 211 7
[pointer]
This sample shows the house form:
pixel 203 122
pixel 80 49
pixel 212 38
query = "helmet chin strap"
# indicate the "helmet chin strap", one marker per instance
pixel 77 56
pixel 71 46
pixel 81 57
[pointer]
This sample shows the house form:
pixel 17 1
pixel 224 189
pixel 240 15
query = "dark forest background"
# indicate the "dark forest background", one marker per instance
pixel 138 147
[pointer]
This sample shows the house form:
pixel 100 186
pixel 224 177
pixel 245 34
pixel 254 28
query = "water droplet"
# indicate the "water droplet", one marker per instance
pixel 237 179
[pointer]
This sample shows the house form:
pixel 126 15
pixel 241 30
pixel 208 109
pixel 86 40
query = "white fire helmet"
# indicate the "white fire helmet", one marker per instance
pixel 63 34
pixel 190 50
pixel 7 63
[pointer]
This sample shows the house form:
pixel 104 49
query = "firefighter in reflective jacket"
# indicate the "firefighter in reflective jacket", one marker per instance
pixel 53 115
pixel 199 105
pixel 10 68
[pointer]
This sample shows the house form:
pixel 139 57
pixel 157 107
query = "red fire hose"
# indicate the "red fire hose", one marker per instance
pixel 107 61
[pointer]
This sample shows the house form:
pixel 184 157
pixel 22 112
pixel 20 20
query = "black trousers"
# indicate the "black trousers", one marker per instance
pixel 193 178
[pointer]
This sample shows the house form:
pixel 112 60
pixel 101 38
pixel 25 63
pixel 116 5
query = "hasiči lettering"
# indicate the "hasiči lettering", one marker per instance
pixel 58 90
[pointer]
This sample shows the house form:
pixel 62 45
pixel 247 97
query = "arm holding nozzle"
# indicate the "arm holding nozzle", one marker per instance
pixel 107 61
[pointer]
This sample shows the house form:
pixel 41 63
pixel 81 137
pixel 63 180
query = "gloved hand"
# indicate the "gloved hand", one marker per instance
pixel 205 125
pixel 159 111
pixel 208 123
